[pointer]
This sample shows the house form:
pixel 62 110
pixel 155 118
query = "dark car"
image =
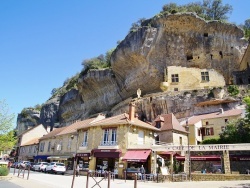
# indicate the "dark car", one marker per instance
pixel 14 165
pixel 130 172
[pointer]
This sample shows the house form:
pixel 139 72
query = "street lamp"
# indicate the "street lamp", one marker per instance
pixel 189 158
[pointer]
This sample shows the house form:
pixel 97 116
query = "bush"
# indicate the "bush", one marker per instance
pixel 4 171
pixel 233 90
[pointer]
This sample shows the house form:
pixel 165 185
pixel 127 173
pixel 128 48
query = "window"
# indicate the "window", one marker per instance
pixel 226 120
pixel 85 138
pixel 30 149
pixel 199 132
pixel 69 143
pixel 109 137
pixel 158 124
pixel 222 128
pixel 204 76
pixel 175 78
pixel 41 148
pixel 180 139
pixel 209 131
pixel 140 137
pixel 49 146
pixel 207 123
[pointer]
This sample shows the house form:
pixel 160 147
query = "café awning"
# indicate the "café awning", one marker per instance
pixel 136 155
pixel 41 157
pixel 106 153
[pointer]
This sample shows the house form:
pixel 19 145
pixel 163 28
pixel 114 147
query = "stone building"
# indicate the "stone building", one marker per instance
pixel 207 126
pixel 27 139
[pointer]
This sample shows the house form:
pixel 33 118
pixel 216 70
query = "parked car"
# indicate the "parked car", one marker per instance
pixel 31 165
pixel 14 165
pixel 40 166
pixel 56 168
pixel 25 164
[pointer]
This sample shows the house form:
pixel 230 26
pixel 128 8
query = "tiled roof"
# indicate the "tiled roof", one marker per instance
pixel 123 119
pixel 228 113
pixel 31 142
pixel 55 132
pixel 77 125
pixel 169 122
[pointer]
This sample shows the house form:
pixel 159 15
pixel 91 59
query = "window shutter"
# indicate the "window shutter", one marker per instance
pixel 199 132
pixel 203 131
pixel 212 131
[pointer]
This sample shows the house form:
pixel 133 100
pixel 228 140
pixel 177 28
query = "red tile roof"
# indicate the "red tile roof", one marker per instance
pixel 123 119
pixel 77 125
pixel 169 122
pixel 194 119
pixel 52 133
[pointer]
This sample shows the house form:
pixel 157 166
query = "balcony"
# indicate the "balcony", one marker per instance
pixel 108 145
pixel 83 146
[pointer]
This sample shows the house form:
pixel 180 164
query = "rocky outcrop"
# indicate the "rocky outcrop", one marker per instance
pixel 140 61
pixel 27 119
pixel 49 113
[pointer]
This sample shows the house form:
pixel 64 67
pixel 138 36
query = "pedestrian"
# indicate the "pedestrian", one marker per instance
pixel 142 171
pixel 77 170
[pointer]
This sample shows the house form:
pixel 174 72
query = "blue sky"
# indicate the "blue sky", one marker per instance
pixel 43 42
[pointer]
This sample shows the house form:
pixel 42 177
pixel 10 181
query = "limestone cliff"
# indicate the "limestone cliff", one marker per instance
pixel 141 61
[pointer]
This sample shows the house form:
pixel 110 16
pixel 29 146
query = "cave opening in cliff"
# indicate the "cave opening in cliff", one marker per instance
pixel 221 55
pixel 189 57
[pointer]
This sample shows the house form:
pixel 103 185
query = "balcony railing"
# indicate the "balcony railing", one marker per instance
pixel 108 143
pixel 84 144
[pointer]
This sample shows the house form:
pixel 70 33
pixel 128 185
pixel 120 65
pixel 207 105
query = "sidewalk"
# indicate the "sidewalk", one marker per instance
pixel 80 182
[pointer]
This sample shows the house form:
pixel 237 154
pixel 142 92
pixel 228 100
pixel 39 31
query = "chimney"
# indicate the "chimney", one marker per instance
pixel 131 111
pixel 221 111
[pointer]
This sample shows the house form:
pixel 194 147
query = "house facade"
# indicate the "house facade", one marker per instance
pixel 28 140
pixel 177 78
pixel 207 126
pixel 117 143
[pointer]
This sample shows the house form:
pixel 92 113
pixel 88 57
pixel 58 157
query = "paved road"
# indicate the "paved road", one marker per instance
pixel 41 180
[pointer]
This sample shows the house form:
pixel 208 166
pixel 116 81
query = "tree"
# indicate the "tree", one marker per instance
pixel 6 126
pixel 246 28
pixel 215 10
pixel 6 119
pixel 208 9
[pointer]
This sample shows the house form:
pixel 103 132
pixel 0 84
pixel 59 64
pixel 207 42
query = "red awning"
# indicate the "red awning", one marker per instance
pixel 201 158
pixel 136 155
pixel 106 153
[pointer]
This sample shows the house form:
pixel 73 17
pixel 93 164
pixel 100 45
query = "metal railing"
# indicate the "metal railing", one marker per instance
pixel 108 143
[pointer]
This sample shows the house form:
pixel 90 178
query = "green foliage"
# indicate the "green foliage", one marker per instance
pixel 236 132
pixel 208 9
pixel 233 90
pixel 136 25
pixel 24 113
pixel 6 119
pixel 4 171
pixel 100 62
pixel 7 141
pixel 246 28
pixel 38 107
pixel 68 84
pixel 211 141
pixel 246 100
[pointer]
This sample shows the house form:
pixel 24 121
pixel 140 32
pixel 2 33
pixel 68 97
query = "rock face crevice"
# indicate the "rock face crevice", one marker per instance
pixel 141 61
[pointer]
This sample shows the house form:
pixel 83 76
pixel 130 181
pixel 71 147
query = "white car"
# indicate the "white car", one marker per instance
pixel 40 166
pixel 56 168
